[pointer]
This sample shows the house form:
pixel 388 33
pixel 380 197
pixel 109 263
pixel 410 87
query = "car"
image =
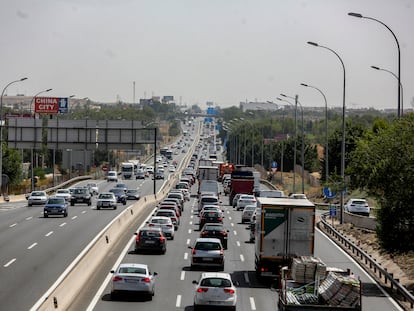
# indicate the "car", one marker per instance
pixel 297 196
pixel 150 239
pixel 140 174
pixel 37 198
pixel 211 208
pixel 247 213
pixel 93 187
pixel 215 230
pixel 170 206
pixel 120 195
pixel 215 289
pixel 132 194
pixel 112 176
pixel 171 214
pixel 133 278
pixel 150 169
pixel 159 175
pixel 207 252
pixel 210 216
pixel 235 199
pixel 165 223
pixel 171 168
pixel 81 195
pixel 55 206
pixel 106 199
pixel 208 199
pixel 245 199
pixel 122 186
pixel 358 206
pixel 64 193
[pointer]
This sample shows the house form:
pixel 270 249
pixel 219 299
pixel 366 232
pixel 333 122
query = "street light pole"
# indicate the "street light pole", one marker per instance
pixel 401 87
pixel 32 100
pixel 1 131
pixel 326 129
pixel 399 56
pixel 343 127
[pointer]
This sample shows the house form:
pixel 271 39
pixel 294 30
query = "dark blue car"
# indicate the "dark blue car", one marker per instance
pixel 120 195
pixel 55 206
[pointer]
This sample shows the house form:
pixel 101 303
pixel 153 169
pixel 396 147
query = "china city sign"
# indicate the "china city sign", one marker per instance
pixel 51 105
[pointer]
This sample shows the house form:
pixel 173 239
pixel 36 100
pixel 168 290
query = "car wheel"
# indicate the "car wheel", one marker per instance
pixel 89 203
pixel 45 216
pixel 98 207
pixel 222 267
pixel 114 296
pixel 114 207
pixel 65 215
pixel 172 237
pixel 72 203
pixel 124 203
pixel 196 308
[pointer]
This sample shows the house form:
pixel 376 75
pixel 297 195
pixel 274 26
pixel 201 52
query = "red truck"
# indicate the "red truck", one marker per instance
pixel 242 181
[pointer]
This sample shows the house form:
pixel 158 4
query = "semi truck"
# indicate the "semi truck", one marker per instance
pixel 284 229
pixel 127 170
pixel 207 173
pixel 242 181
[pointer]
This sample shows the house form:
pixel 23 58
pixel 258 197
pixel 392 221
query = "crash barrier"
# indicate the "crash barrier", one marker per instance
pixel 368 261
pixel 70 283
pixel 360 221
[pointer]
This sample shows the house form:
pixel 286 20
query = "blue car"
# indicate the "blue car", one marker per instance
pixel 120 195
pixel 55 206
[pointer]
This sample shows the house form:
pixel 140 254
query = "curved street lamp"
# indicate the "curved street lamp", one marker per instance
pixel 1 131
pixel 326 129
pixel 343 125
pixel 399 56
pixel 401 87
pixel 33 98
pixel 303 138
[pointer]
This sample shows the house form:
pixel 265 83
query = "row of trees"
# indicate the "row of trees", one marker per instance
pixel 379 158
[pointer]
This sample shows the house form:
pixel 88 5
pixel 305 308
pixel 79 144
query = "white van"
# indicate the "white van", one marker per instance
pixel 112 176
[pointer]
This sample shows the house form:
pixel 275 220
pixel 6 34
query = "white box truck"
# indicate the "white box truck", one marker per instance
pixel 127 170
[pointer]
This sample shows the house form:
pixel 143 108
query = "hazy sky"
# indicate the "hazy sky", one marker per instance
pixel 224 51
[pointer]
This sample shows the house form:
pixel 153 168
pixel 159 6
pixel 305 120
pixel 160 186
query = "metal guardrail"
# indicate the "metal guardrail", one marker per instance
pixel 370 262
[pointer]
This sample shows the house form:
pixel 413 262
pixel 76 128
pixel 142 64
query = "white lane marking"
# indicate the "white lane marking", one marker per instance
pixel 252 303
pixel 182 277
pixel 31 246
pixel 9 263
pixel 13 225
pixel 238 243
pixel 191 216
pixel 74 217
pixel 191 222
pixel 28 218
pixel 229 217
pixel 189 231
pixel 83 212
pixel 241 257
pixel 185 256
pixel 235 232
pixel 49 233
pixel 62 225
pixel 246 277
pixel 232 224
pixel 178 301
pixel 188 241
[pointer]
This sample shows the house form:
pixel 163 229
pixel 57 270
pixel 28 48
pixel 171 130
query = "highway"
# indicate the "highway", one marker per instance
pixel 35 251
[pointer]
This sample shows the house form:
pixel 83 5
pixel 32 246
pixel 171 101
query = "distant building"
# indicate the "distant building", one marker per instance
pixel 244 106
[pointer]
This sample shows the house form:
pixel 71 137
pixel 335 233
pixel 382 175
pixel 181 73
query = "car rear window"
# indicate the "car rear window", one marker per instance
pixel 206 246
pixel 215 282
pixel 132 270
pixel 150 233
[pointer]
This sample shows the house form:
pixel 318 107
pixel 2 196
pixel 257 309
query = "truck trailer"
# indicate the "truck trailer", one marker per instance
pixel 127 170
pixel 285 229
pixel 242 181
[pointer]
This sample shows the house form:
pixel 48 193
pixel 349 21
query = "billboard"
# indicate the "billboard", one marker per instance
pixel 51 105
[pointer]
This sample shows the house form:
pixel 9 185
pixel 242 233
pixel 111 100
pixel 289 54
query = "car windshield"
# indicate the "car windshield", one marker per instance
pixel 56 201
pixel 79 191
pixel 117 191
pixel 37 194
pixel 62 191
pixel 207 246
pixel 215 282
pixel 105 196
pixel 213 228
pixel 160 221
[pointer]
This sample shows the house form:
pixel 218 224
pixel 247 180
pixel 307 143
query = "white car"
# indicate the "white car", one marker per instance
pixel 245 199
pixel 106 200
pixel 93 186
pixel 215 289
pixel 171 168
pixel 37 198
pixel 165 223
pixel 65 193
pixel 112 176
pixel 247 213
pixel 297 196
pixel 358 206
pixel 133 278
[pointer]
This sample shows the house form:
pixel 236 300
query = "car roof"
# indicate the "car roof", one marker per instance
pixel 223 275
pixel 134 265
pixel 208 240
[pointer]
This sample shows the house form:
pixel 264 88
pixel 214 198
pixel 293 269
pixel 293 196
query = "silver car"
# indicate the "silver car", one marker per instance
pixel 106 200
pixel 165 223
pixel 247 213
pixel 133 278
pixel 37 198
pixel 207 252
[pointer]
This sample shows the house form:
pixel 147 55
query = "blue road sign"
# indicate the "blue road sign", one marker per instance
pixel 332 210
pixel 274 164
pixel 63 105
pixel 328 193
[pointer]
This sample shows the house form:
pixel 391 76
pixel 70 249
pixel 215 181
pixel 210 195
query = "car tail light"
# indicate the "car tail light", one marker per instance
pixel 162 239
pixel 146 280
pixel 137 238
pixel 223 233
pixel 222 252
pixel 202 290
pixel 174 219
pixel 204 233
pixel 117 278
pixel 220 219
pixel 193 252
pixel 229 291
pixel 169 226
pixel 151 225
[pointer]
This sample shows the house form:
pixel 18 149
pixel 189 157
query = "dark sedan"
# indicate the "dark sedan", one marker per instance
pixel 210 217
pixel 150 239
pixel 55 206
pixel 132 194
pixel 120 195
pixel 215 230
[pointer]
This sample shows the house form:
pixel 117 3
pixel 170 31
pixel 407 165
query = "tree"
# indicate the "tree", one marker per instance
pixel 12 165
pixel 383 164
